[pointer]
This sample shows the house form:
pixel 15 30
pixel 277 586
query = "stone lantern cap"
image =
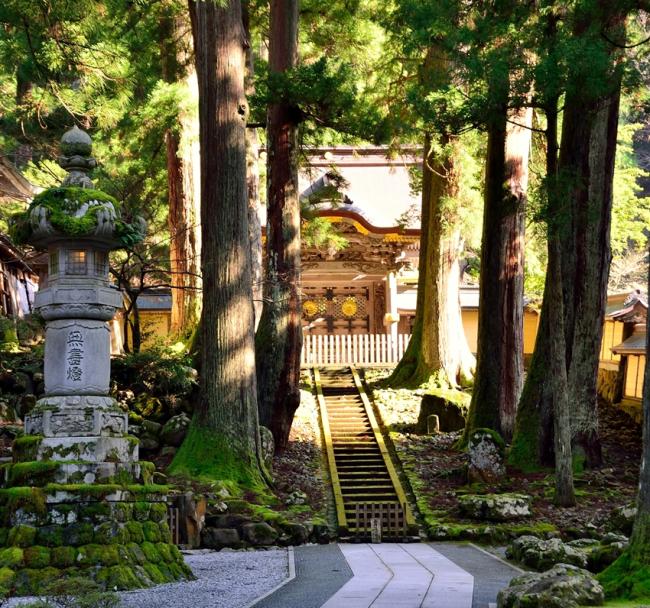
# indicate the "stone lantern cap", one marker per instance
pixel 76 210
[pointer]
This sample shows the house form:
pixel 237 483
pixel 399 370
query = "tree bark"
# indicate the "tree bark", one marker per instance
pixel 438 351
pixel 253 187
pixel 584 184
pixel 183 177
pixel 223 440
pixel 499 370
pixel 279 335
pixel 564 491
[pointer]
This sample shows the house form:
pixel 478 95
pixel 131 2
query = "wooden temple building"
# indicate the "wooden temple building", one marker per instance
pixel 359 301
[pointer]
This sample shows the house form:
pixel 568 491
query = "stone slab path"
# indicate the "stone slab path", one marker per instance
pixel 393 575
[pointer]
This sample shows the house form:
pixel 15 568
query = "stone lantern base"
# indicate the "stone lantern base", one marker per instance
pixel 67 513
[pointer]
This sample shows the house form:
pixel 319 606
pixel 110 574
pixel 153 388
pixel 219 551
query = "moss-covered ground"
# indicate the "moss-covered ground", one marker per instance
pixel 436 472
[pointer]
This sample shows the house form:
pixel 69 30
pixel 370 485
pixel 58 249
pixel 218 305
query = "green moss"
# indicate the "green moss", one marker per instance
pixel 151 531
pixel 11 557
pixel 158 512
pixel 25 448
pixel 155 574
pixel 119 577
pixel 150 552
pixel 136 533
pixel 7 578
pixel 122 511
pixel 98 555
pixel 32 473
pixel 22 536
pixel 78 534
pixel 96 512
pixel 207 455
pixel 37 557
pixel 35 581
pixel 165 532
pixel 136 554
pixel 626 578
pixel 28 499
pixel 62 203
pixel 147 470
pixel 50 536
pixel 63 557
pixel 141 511
pixel 165 552
pixel 110 533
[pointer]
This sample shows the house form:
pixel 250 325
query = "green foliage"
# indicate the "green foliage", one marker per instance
pixel 76 592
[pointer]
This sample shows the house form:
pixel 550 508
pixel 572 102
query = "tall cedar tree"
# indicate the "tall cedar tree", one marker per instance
pixel 183 174
pixel 499 365
pixel 279 335
pixel 584 186
pixel 438 351
pixel 223 440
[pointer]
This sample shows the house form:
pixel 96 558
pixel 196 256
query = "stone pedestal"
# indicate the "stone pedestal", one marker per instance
pixel 76 500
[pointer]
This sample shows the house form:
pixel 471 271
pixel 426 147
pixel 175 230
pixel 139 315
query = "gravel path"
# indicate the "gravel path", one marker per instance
pixel 225 579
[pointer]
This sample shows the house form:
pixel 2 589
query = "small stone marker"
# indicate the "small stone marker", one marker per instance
pixel 375 530
pixel 433 424
pixel 486 453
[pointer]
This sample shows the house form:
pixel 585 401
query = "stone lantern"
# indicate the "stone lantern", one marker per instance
pixel 76 487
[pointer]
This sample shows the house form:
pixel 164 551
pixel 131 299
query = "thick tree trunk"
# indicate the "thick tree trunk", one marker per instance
pixel 499 370
pixel 223 440
pixel 438 350
pixel 564 491
pixel 183 177
pixel 584 192
pixel 279 335
pixel 588 156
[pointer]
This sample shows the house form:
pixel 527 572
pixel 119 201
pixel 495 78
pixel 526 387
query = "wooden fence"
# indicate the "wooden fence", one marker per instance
pixel 353 349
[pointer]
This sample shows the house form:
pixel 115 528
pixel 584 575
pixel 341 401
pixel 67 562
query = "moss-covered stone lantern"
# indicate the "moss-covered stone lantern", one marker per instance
pixel 76 501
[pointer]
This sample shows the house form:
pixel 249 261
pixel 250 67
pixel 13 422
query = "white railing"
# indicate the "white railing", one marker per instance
pixel 357 349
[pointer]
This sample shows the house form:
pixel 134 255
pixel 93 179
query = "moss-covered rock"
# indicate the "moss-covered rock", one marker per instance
pixel 150 552
pixel 451 407
pixel 25 448
pixel 22 536
pixel 164 550
pixel 7 578
pixel 11 557
pixel 63 557
pixel 155 574
pixel 158 512
pixel 119 577
pixel 122 511
pixel 136 533
pixel 35 581
pixel 151 532
pixel 50 536
pixel 37 557
pixel 141 511
pixel 98 555
pixel 136 553
pixel 78 533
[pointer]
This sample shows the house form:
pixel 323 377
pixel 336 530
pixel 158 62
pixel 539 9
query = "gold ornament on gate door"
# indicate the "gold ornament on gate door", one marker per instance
pixel 349 307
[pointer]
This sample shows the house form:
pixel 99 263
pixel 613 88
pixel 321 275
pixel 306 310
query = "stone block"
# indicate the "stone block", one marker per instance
pixel 450 406
pixel 218 538
pixel 495 507
pixel 486 450
pixel 259 534
pixel 563 586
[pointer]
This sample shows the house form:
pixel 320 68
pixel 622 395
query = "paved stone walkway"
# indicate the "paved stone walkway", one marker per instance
pixel 393 575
